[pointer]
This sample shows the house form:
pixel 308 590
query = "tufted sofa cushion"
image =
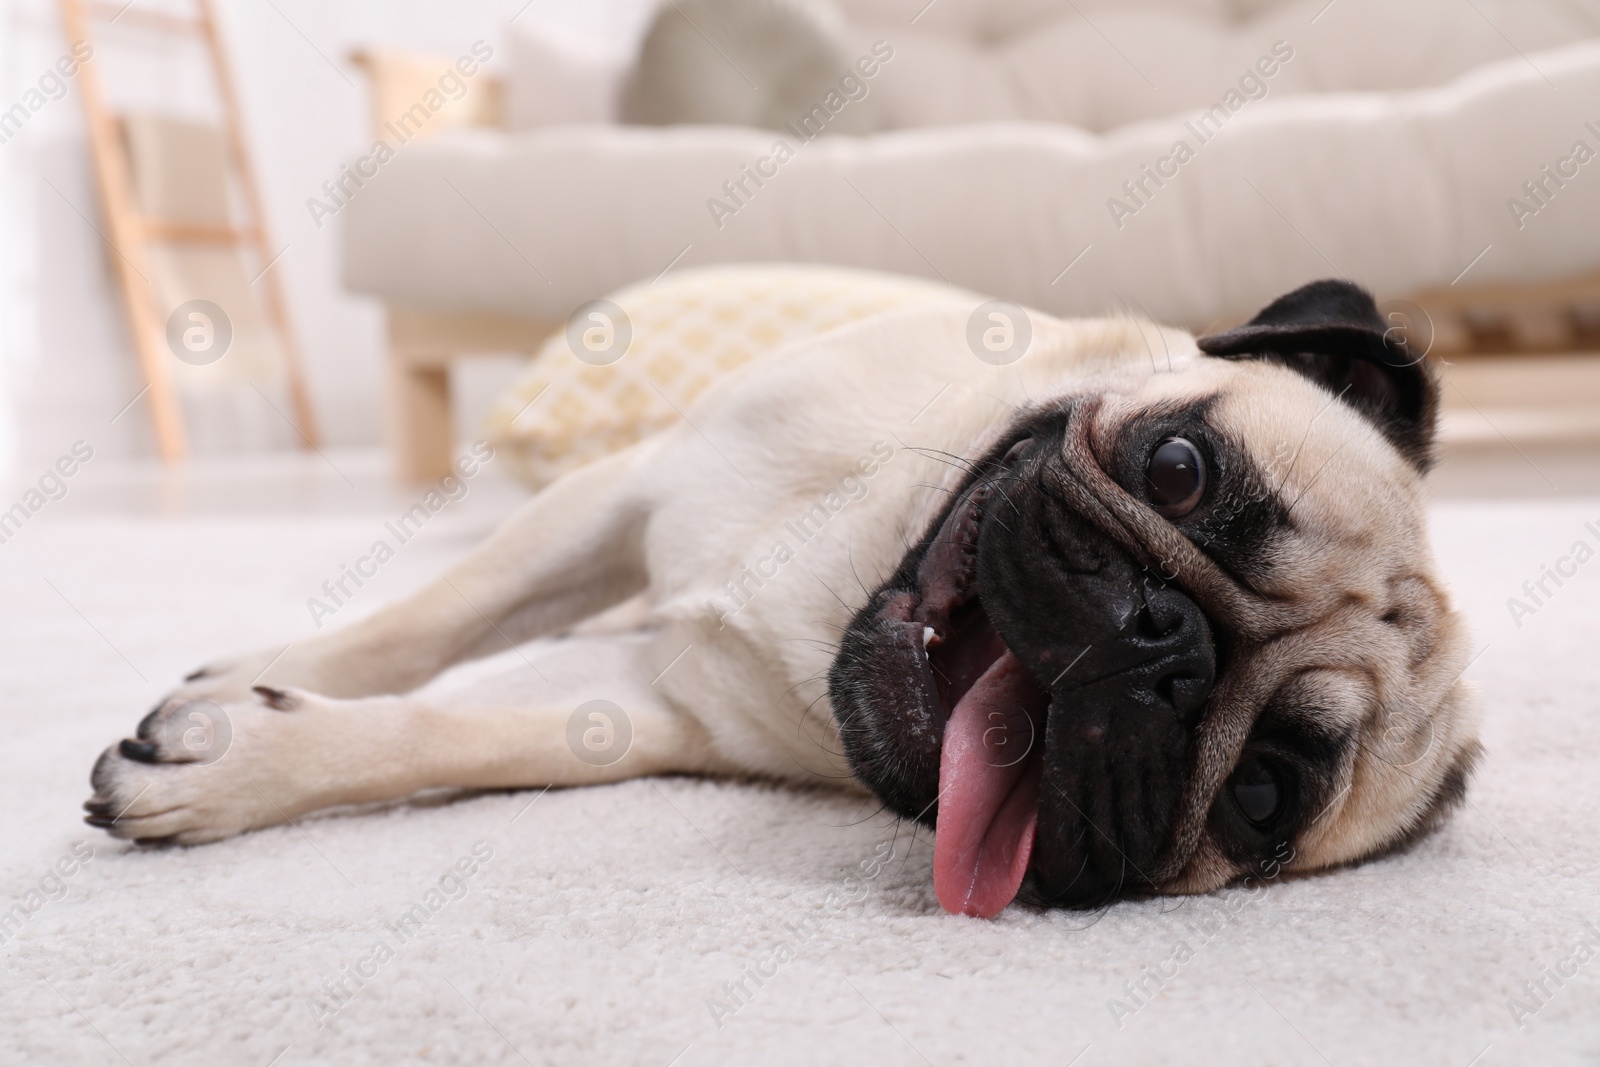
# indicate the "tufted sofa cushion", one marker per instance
pixel 1100 65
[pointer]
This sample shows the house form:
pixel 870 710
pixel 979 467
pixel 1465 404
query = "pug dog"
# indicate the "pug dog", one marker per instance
pixel 1132 614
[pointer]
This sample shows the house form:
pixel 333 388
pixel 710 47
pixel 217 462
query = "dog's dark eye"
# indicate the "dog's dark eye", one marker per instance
pixel 1177 477
pixel 1258 790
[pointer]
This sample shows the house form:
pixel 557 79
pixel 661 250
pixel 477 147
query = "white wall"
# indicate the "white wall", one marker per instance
pixel 66 367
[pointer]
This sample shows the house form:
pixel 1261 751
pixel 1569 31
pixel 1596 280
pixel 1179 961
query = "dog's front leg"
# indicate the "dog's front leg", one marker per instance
pixel 283 753
pixel 571 551
pixel 291 752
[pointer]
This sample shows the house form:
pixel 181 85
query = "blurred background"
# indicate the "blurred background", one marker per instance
pixel 276 273
pixel 393 207
pixel 70 360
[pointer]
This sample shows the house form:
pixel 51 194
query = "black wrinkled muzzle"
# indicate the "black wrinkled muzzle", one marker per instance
pixel 1129 663
pixel 1124 661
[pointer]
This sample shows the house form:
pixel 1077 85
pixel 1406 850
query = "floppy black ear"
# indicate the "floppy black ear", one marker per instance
pixel 1330 331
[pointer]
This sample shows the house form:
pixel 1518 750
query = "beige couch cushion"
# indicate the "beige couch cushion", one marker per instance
pixel 1400 191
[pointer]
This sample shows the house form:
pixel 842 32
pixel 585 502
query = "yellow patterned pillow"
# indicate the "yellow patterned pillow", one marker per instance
pixel 627 366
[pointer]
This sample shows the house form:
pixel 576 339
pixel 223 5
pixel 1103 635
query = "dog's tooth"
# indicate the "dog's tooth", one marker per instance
pixel 928 634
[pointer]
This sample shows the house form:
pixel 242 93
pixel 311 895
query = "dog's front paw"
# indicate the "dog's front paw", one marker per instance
pixel 228 680
pixel 198 770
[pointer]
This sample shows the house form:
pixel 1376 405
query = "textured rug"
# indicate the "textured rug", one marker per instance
pixel 691 922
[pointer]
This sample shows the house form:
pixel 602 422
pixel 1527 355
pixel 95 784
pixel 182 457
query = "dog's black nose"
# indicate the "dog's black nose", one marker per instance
pixel 1129 661
pixel 1172 660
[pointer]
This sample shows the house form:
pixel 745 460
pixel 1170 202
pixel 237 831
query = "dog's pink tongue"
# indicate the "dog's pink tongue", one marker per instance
pixel 988 794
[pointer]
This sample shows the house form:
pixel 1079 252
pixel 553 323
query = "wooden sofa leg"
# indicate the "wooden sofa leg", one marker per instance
pixel 422 347
pixel 423 439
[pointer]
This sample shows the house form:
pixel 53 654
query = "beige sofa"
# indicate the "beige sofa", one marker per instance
pixel 1031 149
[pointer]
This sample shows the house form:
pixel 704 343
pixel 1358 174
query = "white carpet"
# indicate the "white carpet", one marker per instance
pixel 607 918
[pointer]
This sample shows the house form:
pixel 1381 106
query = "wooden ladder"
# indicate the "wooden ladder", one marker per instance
pixel 131 231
